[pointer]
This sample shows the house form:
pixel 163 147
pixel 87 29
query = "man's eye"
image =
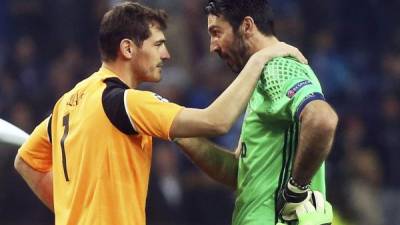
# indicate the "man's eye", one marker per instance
pixel 216 33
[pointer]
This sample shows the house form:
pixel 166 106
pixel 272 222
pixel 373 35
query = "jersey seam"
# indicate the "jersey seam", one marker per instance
pixel 127 112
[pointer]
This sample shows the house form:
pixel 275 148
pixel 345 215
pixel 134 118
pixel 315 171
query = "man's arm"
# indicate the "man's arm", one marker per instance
pixel 318 123
pixel 40 183
pixel 218 118
pixel 216 162
pixel 33 162
pixel 317 130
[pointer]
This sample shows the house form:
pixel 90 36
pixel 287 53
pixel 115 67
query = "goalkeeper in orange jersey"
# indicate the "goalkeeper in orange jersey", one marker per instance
pixel 90 160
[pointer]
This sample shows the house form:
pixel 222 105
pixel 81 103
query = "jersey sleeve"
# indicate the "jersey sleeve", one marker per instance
pixel 150 114
pixel 36 151
pixel 289 86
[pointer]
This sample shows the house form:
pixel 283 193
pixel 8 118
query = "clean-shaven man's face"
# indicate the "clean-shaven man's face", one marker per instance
pixel 151 55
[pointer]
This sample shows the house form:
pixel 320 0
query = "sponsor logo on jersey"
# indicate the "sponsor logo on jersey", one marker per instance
pixel 293 90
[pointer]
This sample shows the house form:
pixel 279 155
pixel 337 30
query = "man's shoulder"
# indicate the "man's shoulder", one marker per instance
pixel 285 63
pixel 78 91
pixel 284 68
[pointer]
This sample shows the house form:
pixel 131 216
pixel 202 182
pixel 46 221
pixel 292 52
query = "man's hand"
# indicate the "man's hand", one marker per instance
pixel 315 211
pixel 279 49
pixel 289 198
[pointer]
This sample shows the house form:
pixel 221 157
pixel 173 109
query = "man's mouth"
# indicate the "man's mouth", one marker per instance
pixel 222 56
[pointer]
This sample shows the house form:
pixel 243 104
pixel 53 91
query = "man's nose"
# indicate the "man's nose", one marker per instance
pixel 213 46
pixel 165 55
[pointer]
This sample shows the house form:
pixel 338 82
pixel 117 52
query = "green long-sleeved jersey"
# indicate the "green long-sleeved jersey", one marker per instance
pixel 269 139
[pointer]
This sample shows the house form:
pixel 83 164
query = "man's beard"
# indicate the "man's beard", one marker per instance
pixel 240 54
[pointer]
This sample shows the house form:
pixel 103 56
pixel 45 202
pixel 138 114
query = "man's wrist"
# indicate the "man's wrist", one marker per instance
pixel 259 60
pixel 296 187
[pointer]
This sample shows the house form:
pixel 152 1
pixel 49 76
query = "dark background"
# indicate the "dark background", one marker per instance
pixel 47 46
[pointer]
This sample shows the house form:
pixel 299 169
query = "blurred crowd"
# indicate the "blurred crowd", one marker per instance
pixel 47 46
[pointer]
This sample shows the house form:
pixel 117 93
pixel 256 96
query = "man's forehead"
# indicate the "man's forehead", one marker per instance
pixel 217 21
pixel 156 32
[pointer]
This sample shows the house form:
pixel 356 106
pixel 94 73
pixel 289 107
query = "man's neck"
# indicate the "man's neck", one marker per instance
pixel 260 41
pixel 123 71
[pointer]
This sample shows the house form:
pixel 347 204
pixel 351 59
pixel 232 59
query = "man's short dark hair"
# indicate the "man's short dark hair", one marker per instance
pixel 127 20
pixel 234 12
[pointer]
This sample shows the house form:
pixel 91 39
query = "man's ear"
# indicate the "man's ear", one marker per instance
pixel 127 48
pixel 248 27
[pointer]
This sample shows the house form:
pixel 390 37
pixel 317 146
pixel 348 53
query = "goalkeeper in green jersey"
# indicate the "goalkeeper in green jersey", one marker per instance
pixel 287 131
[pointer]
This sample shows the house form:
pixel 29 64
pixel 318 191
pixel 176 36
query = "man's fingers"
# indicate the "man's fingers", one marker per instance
pixel 301 57
pixel 298 55
pixel 319 201
pixel 294 52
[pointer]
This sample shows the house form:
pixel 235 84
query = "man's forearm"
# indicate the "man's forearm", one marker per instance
pixel 40 183
pixel 218 118
pixel 318 125
pixel 216 162
pixel 44 190
pixel 226 109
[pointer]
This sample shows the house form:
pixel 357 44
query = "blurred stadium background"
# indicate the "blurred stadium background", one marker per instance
pixel 46 46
